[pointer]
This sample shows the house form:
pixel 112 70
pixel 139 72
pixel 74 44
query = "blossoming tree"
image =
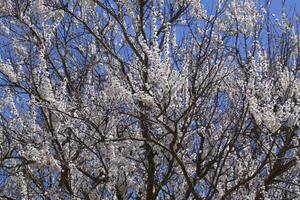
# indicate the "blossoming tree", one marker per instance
pixel 148 99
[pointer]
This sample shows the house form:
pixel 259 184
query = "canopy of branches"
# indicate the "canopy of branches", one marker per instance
pixel 149 99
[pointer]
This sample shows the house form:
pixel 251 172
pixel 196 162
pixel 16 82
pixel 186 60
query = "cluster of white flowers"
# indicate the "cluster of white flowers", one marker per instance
pixel 273 98
pixel 244 15
pixel 40 156
pixel 198 10
pixel 8 71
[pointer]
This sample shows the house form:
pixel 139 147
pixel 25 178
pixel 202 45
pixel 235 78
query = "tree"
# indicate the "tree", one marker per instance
pixel 148 99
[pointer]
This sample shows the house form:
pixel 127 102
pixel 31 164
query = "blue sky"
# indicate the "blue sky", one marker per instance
pixel 291 5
